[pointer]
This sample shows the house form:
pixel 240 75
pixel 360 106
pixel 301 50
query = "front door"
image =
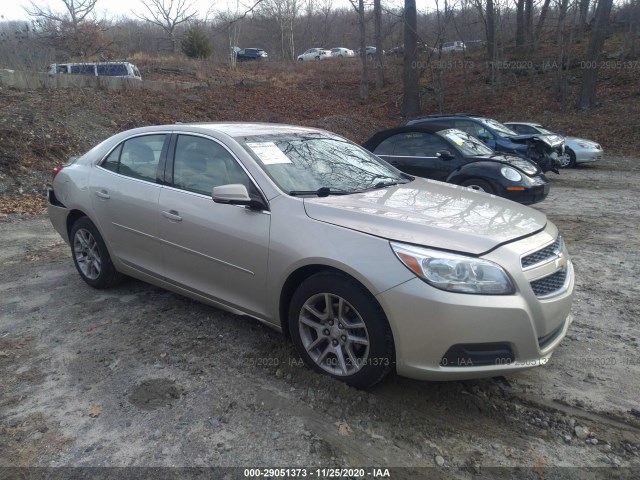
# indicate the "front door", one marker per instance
pixel 216 250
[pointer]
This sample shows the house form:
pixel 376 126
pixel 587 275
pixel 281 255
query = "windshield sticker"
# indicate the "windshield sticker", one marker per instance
pixel 269 153
pixel 455 138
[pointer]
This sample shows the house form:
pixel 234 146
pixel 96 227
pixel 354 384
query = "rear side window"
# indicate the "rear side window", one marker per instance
pixel 137 157
pixel 113 70
pixel 89 69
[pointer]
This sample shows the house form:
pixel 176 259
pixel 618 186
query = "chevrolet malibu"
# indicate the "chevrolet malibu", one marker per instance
pixel 368 270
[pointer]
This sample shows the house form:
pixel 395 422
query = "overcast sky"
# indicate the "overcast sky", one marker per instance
pixel 13 9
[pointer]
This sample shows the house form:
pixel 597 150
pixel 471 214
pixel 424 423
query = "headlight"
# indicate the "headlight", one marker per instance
pixel 454 273
pixel 510 174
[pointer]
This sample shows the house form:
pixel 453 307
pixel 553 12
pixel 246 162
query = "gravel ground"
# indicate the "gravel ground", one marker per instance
pixel 137 376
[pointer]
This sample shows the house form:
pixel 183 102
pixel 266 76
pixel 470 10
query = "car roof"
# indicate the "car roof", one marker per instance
pixel 379 137
pixel 232 129
pixel 531 124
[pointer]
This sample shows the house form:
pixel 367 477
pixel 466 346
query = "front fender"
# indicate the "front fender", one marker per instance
pixel 485 170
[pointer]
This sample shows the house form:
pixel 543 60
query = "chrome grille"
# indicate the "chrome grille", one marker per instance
pixel 550 284
pixel 547 253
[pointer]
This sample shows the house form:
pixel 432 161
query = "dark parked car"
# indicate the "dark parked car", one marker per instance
pixel 453 156
pixel 545 150
pixel 251 54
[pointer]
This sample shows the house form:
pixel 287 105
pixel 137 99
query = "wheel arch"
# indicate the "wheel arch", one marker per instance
pixel 72 217
pixel 298 276
pixel 483 170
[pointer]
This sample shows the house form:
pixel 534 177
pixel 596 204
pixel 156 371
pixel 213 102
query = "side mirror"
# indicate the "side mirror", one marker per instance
pixel 445 155
pixel 236 194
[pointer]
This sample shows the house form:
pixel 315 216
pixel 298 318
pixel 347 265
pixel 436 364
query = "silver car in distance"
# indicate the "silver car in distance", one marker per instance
pixel 367 269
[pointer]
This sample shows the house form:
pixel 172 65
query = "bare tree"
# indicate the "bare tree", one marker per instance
pixel 540 25
pixel 74 31
pixel 168 14
pixel 563 8
pixel 285 13
pixel 583 8
pixel 377 22
pixel 596 42
pixel 520 23
pixel 362 40
pixel 411 72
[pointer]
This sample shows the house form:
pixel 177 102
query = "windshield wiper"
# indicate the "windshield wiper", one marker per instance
pixel 321 192
pixel 384 185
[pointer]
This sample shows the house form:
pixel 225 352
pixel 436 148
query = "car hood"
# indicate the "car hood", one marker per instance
pixel 513 160
pixel 431 213
pixel 551 140
pixel 581 140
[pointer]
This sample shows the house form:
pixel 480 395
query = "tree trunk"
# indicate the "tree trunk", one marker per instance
pixel 520 23
pixel 490 29
pixel 364 74
pixel 543 16
pixel 528 21
pixel 377 14
pixel 583 8
pixel 562 18
pixel 598 36
pixel 411 73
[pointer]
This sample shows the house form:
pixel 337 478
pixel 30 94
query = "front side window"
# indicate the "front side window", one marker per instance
pixel 308 162
pixel 112 70
pixel 201 164
pixel 137 157
pixel 497 127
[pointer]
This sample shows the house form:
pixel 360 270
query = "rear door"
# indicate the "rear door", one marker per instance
pixel 216 250
pixel 124 190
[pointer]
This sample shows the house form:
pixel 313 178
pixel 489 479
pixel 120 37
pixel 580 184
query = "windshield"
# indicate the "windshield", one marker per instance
pixel 316 162
pixel 468 145
pixel 545 131
pixel 497 126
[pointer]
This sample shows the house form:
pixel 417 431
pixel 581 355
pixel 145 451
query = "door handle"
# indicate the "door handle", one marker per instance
pixel 172 215
pixel 103 194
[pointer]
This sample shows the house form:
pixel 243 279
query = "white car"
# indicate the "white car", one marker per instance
pixel 577 150
pixel 449 47
pixel 315 54
pixel 342 52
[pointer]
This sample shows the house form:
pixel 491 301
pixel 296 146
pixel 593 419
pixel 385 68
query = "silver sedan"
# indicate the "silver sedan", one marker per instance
pixel 577 150
pixel 367 269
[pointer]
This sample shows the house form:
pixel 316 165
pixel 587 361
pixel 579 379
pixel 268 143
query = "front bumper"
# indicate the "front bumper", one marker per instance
pixel 588 156
pixel 535 190
pixel 429 324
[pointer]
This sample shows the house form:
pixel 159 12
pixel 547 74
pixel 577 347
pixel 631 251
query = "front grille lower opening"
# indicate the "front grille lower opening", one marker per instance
pixel 478 355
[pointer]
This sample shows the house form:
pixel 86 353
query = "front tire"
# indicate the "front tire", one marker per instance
pixel 91 257
pixel 339 329
pixel 478 185
pixel 568 160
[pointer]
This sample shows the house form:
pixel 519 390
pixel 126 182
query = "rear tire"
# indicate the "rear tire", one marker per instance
pixel 340 330
pixel 478 185
pixel 91 257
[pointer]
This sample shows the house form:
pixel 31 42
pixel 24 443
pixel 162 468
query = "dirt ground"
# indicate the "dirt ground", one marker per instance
pixel 138 376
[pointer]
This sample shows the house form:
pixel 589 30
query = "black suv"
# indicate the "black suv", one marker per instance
pixel 251 54
pixel 545 150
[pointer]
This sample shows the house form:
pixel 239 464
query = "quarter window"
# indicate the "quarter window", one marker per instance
pixel 137 157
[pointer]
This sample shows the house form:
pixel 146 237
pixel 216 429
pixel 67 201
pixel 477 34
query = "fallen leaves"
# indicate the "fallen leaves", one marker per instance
pixel 93 327
pixel 344 429
pixel 95 411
